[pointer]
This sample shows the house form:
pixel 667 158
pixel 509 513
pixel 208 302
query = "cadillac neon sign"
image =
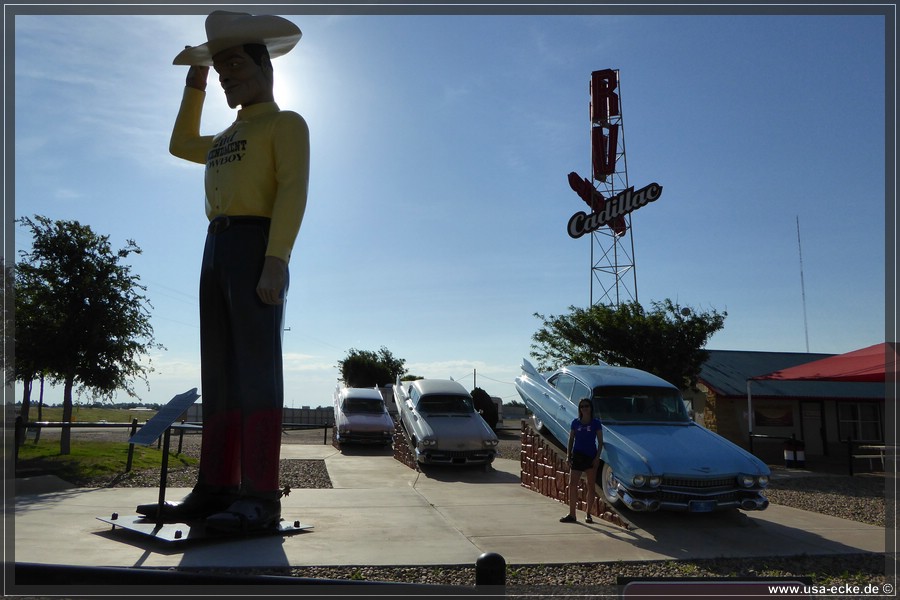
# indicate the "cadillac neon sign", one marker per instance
pixel 604 151
pixel 613 210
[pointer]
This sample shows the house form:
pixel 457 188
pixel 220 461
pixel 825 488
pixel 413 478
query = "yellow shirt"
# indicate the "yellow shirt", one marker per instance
pixel 259 166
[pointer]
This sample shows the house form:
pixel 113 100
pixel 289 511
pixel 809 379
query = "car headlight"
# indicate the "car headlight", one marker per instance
pixel 763 480
pixel 654 481
pixel 746 480
pixel 429 442
pixel 491 443
pixel 639 480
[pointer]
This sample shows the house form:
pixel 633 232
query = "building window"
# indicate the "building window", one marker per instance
pixel 860 421
pixel 776 415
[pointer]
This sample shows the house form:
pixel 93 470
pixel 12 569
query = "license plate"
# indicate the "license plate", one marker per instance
pixel 702 505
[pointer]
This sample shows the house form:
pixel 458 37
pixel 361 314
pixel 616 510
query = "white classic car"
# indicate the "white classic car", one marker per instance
pixel 439 418
pixel 360 416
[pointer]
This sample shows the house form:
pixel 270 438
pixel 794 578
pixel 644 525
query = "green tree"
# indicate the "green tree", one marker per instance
pixel 7 298
pixel 366 368
pixel 33 331
pixel 81 315
pixel 667 341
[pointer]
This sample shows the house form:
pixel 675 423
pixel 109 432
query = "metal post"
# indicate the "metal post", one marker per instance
pixel 180 438
pixel 163 474
pixel 490 569
pixel 131 446
pixel 749 416
pixel 850 454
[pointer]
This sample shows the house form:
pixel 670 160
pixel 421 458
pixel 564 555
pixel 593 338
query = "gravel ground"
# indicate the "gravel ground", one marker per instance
pixel 859 498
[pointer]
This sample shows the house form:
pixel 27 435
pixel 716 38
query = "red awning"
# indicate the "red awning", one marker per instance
pixel 864 365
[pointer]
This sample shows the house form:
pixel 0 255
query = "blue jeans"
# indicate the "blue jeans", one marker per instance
pixel 242 391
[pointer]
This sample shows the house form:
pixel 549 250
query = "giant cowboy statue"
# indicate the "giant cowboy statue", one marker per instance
pixel 256 180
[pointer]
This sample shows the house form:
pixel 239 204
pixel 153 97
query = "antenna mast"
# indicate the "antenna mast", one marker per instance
pixel 802 285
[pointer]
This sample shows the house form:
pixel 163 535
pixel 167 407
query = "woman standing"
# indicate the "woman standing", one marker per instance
pixel 583 454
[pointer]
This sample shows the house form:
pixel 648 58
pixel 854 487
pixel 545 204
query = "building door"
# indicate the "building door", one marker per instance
pixel 813 427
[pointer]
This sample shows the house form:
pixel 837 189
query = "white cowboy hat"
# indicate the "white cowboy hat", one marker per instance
pixel 227 29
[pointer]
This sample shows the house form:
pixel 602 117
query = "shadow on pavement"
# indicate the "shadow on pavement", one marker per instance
pixel 468 474
pixel 349 449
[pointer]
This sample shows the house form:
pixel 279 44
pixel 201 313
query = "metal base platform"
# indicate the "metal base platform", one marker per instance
pixel 184 532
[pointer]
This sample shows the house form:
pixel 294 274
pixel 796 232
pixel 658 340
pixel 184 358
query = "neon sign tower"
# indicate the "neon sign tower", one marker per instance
pixel 610 197
pixel 612 248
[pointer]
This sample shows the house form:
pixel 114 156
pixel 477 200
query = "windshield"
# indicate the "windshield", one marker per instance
pixel 639 404
pixel 445 403
pixel 363 405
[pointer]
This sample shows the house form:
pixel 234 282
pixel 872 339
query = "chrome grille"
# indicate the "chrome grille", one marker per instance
pixel 668 496
pixel 699 484
pixel 463 453
pixel 458 456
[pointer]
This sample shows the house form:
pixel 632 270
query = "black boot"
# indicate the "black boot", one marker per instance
pixel 198 504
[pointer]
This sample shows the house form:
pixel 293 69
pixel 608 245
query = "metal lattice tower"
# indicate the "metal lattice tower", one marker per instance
pixel 613 272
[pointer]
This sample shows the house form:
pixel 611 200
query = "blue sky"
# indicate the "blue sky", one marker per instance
pixel 438 201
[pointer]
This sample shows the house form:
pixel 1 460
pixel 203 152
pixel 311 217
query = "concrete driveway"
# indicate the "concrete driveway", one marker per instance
pixel 380 512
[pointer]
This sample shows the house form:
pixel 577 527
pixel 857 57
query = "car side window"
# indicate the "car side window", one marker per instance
pixel 564 384
pixel 579 391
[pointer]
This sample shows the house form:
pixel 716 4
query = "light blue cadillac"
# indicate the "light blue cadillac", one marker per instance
pixel 654 456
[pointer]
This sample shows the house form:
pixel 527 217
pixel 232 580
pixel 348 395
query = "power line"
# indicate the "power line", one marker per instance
pixel 497 380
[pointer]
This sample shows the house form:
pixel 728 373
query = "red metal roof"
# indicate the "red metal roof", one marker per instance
pixel 863 365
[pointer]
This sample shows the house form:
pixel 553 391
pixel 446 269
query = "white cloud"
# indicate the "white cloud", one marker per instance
pixel 67 194
pixel 297 362
pixel 172 369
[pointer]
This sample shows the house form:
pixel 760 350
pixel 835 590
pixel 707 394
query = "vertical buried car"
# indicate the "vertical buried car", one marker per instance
pixel 361 417
pixel 654 456
pixel 439 418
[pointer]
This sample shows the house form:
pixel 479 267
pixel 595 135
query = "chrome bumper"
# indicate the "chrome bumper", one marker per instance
pixel 650 504
pixel 441 457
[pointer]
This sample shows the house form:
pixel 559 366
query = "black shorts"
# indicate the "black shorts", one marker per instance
pixel 582 462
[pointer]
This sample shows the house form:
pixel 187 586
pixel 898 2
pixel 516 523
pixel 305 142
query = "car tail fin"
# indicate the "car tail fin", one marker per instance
pixel 529 369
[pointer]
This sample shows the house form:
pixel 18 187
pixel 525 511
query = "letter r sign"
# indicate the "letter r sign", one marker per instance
pixel 604 99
